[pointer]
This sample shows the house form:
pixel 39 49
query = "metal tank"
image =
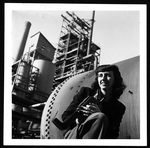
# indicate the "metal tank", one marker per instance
pixel 46 74
pixel 22 77
pixel 130 126
pixel 63 95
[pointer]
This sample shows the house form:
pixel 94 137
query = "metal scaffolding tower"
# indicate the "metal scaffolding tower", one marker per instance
pixel 76 53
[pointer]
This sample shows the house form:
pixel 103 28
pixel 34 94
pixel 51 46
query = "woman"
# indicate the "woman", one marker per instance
pixel 100 120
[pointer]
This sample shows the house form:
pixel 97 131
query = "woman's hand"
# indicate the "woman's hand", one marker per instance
pixel 89 109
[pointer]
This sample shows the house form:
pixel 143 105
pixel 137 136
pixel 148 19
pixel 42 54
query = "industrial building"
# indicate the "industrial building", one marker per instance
pixel 32 80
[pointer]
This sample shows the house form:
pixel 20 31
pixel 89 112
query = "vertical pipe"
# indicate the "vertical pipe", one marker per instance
pixel 91 32
pixel 23 41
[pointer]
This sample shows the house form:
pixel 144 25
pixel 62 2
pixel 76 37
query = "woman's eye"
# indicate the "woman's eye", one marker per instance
pixel 100 75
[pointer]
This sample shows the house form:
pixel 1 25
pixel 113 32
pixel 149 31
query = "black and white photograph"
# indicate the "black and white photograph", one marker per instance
pixel 76 75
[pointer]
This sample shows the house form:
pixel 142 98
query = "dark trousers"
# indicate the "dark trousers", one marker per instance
pixel 94 127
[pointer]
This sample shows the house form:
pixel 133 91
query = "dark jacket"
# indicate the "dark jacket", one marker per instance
pixel 113 109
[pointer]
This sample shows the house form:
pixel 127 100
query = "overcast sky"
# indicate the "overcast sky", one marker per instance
pixel 116 32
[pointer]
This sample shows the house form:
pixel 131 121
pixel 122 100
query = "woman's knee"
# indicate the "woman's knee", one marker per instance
pixel 101 117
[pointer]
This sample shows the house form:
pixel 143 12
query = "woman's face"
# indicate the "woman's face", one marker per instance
pixel 106 80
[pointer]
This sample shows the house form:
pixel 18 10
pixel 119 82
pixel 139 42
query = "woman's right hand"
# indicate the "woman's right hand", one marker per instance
pixel 89 109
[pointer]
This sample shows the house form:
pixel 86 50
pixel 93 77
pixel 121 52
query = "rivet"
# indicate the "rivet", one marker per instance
pixel 71 88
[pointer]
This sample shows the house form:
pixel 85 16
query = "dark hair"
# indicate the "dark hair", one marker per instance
pixel 119 85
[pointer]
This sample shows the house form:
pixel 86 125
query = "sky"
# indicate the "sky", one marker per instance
pixel 116 32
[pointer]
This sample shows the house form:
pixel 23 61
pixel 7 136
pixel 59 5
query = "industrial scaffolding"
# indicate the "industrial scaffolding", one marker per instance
pixel 76 53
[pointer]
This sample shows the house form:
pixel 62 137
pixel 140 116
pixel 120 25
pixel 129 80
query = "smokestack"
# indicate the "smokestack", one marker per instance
pixel 23 42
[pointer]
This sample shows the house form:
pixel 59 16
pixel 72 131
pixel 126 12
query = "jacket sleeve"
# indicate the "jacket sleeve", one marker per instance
pixel 76 100
pixel 116 119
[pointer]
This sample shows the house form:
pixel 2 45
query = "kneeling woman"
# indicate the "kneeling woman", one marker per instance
pixel 100 120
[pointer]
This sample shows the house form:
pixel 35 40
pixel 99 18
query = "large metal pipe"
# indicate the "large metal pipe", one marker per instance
pixel 62 96
pixel 20 51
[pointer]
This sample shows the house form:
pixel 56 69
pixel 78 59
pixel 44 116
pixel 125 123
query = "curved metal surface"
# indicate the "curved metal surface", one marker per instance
pixel 130 126
pixel 63 95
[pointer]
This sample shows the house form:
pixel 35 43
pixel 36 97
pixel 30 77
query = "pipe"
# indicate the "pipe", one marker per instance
pixel 91 32
pixel 23 41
